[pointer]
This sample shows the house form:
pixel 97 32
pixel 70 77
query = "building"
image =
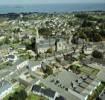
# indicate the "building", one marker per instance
pixel 20 64
pixel 26 79
pixel 45 44
pixel 34 65
pixel 11 58
pixel 48 93
pixel 5 88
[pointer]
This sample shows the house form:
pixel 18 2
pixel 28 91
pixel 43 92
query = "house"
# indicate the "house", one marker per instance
pixel 36 89
pixel 20 64
pixel 5 88
pixel 48 93
pixel 88 49
pixel 11 58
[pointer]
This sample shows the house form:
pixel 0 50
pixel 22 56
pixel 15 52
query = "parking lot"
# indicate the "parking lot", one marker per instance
pixel 69 84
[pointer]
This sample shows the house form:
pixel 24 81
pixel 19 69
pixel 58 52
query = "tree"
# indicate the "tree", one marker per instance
pixel 11 98
pixel 82 35
pixel 56 43
pixel 49 50
pixel 97 37
pixel 87 23
pixel 21 95
pixel 49 70
pixel 46 69
pixel 98 98
pixel 97 54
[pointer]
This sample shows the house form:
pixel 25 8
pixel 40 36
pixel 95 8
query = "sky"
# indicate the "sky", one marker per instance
pixel 6 2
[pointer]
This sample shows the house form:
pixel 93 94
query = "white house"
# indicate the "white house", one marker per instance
pixel 5 88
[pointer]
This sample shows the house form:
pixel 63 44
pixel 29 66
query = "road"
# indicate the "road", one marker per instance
pixel 54 87
pixel 14 72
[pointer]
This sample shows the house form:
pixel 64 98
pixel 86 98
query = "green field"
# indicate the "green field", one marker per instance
pixel 35 97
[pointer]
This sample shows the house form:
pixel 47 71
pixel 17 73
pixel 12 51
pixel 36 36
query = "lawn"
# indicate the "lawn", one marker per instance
pixel 85 70
pixel 89 70
pixel 35 97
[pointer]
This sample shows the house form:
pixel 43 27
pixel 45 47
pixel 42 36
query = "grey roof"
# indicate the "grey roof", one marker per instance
pixel 11 56
pixel 36 88
pixel 47 41
pixel 45 45
pixel 33 63
pixel 4 85
pixel 47 92
pixel 101 76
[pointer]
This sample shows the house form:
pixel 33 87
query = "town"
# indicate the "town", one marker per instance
pixel 52 56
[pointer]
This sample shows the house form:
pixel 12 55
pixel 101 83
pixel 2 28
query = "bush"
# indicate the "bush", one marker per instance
pixel 97 54
pixel 49 50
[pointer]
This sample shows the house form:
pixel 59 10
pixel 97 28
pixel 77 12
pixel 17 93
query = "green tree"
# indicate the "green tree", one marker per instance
pixel 49 50
pixel 97 54
pixel 20 95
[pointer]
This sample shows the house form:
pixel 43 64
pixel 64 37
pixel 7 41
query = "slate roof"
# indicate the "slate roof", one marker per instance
pixel 47 92
pixel 36 88
pixel 11 56
pixel 46 43
pixel 60 98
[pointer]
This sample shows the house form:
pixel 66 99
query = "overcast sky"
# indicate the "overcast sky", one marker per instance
pixel 5 2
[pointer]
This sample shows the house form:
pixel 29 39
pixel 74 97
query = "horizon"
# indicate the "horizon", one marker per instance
pixel 49 4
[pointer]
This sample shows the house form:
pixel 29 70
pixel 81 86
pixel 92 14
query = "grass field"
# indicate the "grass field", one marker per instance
pixel 89 71
pixel 35 97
